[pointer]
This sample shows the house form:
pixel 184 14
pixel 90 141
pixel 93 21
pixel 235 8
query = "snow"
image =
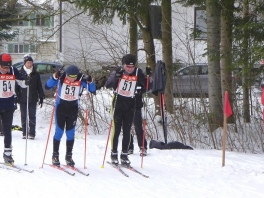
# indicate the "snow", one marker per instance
pixel 172 173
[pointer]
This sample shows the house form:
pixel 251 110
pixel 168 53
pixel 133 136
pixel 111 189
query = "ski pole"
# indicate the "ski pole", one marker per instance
pixel 107 142
pixel 85 131
pixel 144 123
pixel 85 138
pixel 112 120
pixel 27 120
pixel 52 115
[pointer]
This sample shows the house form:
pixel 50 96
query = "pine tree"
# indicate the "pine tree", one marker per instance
pixel 8 15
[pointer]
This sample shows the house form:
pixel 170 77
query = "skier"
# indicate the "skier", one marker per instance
pixel 8 76
pixel 124 81
pixel 69 84
pixel 29 97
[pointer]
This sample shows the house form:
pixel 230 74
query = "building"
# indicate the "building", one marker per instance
pixel 73 38
pixel 36 36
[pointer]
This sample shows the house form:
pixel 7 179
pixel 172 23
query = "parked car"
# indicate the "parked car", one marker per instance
pixel 46 69
pixel 191 80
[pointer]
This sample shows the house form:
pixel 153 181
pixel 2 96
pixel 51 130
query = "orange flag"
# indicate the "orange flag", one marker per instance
pixel 227 107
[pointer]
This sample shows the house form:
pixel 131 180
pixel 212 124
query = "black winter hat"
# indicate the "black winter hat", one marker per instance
pixel 72 70
pixel 5 60
pixel 27 58
pixel 129 59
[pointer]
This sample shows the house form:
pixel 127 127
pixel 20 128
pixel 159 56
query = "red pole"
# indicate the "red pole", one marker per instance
pixel 52 115
pixel 144 124
pixel 85 138
pixel 107 143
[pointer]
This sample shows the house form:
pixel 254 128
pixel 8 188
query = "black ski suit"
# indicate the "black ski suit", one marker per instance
pixel 123 108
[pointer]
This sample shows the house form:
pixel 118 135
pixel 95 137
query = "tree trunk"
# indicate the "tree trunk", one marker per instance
pixel 149 48
pixel 245 68
pixel 215 118
pixel 167 51
pixel 133 39
pixel 226 50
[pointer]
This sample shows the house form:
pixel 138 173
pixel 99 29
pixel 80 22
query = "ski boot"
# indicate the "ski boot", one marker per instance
pixel 68 159
pixel 124 159
pixel 143 152
pixel 114 159
pixel 7 155
pixel 55 159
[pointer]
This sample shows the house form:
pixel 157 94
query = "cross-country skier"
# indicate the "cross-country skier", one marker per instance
pixel 124 81
pixel 69 84
pixel 8 76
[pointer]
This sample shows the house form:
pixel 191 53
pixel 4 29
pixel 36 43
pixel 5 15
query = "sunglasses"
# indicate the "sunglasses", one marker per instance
pixel 5 67
pixel 130 66
pixel 73 76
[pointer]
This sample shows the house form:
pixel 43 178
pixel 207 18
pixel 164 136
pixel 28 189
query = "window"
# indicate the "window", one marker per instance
pixel 40 20
pixel 204 70
pixel 21 48
pixel 44 68
pixel 20 22
pixel 192 70
pixel 200 26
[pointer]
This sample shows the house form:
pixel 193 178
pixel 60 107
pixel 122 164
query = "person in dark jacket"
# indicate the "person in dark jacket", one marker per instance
pixel 124 81
pixel 29 97
pixel 8 77
pixel 70 84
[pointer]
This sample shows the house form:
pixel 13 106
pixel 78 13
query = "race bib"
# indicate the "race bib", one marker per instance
pixel 7 85
pixel 70 90
pixel 127 86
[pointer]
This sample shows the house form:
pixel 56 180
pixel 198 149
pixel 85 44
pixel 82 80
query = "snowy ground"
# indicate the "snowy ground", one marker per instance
pixel 172 173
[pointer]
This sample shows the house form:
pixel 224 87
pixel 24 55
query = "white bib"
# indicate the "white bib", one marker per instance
pixel 70 90
pixel 7 85
pixel 127 86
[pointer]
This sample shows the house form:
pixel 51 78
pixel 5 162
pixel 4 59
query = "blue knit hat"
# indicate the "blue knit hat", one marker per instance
pixel 72 71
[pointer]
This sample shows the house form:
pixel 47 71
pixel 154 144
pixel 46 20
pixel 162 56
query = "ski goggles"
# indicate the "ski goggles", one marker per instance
pixel 73 76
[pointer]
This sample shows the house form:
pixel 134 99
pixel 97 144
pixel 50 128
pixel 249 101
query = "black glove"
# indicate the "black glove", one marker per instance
pixel 87 78
pixel 58 74
pixel 119 73
pixel 41 102
pixel 27 81
pixel 148 71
